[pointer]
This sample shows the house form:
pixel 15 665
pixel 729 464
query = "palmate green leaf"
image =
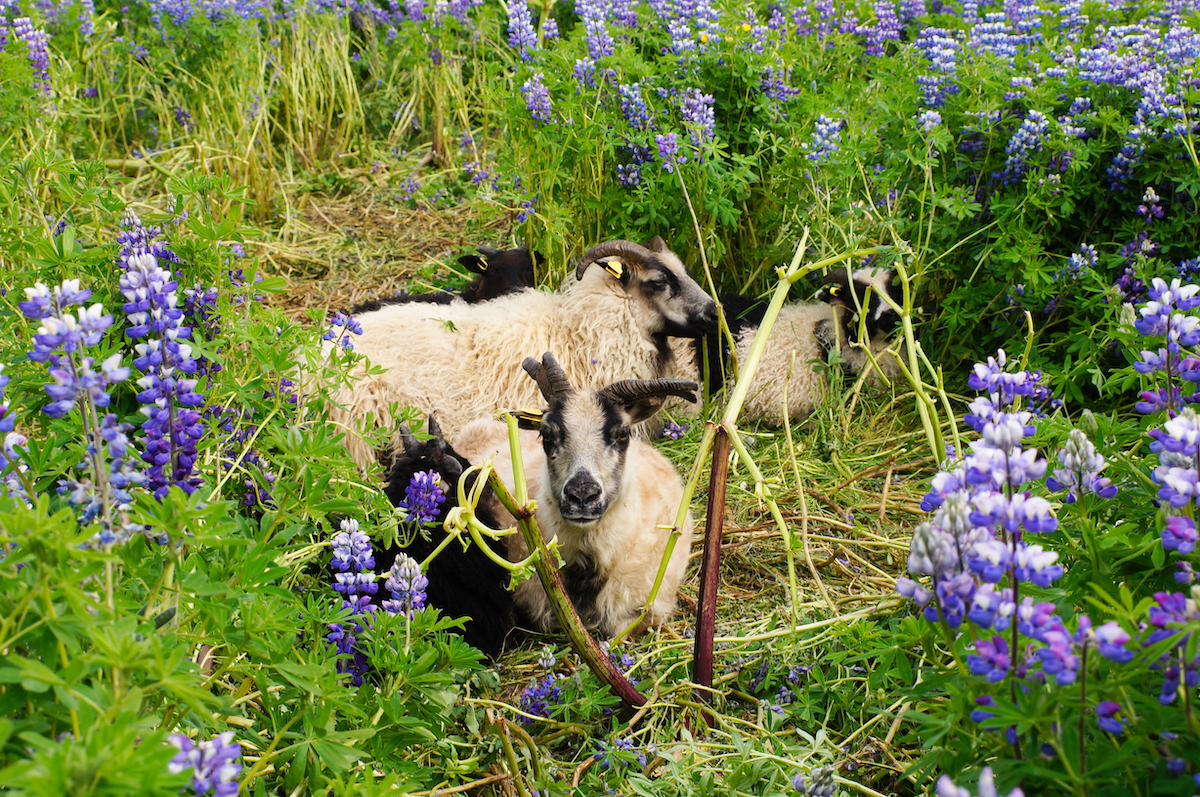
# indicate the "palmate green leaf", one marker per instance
pixel 303 676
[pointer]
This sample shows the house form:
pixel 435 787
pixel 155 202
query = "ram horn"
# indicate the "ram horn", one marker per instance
pixel 636 389
pixel 412 446
pixel 549 375
pixel 633 255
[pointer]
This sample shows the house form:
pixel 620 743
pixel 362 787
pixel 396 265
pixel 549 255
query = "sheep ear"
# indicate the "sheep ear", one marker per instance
pixel 528 419
pixel 835 288
pixel 644 408
pixel 642 398
pixel 656 244
pixel 476 264
pixel 538 258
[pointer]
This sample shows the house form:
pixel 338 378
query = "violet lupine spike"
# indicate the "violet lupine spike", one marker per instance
pixel 214 763
pixel 537 100
pixel 541 698
pixel 407 585
pixel 355 581
pixel 422 497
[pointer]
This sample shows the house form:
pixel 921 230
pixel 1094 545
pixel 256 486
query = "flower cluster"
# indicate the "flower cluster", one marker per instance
pixel 11 465
pixel 698 117
pixel 422 497
pixel 521 36
pixel 341 327
pixel 620 754
pixel 37 44
pixel 818 782
pixel 407 585
pixel 673 431
pixel 537 100
pixel 826 139
pixel 214 763
pixel 987 787
pixel 541 698
pixel 354 579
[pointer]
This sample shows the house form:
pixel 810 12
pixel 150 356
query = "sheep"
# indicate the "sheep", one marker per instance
pixel 462 582
pixel 804 332
pixel 499 273
pixel 610 500
pixel 457 360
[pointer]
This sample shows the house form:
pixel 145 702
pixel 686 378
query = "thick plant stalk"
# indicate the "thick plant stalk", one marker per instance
pixel 544 563
pixel 706 610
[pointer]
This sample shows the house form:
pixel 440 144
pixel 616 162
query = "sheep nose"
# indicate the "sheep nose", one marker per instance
pixel 708 316
pixel 582 490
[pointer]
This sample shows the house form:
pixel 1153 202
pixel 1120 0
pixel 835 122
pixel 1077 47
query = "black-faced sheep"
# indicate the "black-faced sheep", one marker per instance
pixel 462 582
pixel 499 273
pixel 804 332
pixel 459 361
pixel 610 500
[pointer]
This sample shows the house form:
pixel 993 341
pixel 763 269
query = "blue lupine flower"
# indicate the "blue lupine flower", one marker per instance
pixel 696 107
pixel 341 327
pixel 594 14
pixel 407 586
pixel 541 698
pixel 37 44
pixel 521 36
pixel 1111 640
pixel 668 150
pixel 673 430
pixel 354 580
pixel 422 497
pixel 546 658
pixel 214 763
pixel 987 788
pixel 826 139
pixel 1106 717
pixel 990 660
pixel 819 782
pixel 1180 534
pixel 604 754
pixel 929 120
pixel 537 100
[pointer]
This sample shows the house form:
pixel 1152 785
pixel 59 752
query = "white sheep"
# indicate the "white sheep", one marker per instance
pixel 802 337
pixel 610 500
pixel 460 361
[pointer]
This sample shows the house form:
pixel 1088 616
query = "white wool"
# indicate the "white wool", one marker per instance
pixel 464 361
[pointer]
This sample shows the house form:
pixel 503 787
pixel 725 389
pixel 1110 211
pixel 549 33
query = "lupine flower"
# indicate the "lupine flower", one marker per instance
pixel 541 698
pixel 634 107
pixel 594 14
pixel 214 763
pixel 422 497
pixel 990 660
pixel 407 586
pixel 1106 717
pixel 696 107
pixel 1080 471
pixel 826 139
pixel 37 43
pixel 537 100
pixel 546 658
pixel 929 120
pixel 1180 534
pixel 668 150
pixel 818 783
pixel 341 327
pixel 673 430
pixel 521 36
pixel 987 787
pixel 605 759
pixel 354 580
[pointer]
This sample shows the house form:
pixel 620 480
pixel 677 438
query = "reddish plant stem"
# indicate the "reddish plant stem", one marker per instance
pixel 706 611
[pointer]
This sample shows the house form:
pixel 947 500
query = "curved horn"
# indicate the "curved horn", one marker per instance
pixel 412 446
pixel 635 389
pixel 632 254
pixel 549 375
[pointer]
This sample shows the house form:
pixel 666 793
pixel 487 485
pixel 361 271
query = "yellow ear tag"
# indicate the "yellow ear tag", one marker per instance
pixel 483 264
pixel 526 419
pixel 614 267
pixel 835 290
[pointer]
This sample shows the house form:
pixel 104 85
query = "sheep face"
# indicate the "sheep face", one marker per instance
pixel 843 288
pixel 585 435
pixel 658 277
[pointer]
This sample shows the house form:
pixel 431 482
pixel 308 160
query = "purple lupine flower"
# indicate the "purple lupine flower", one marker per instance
pixel 1180 534
pixel 354 579
pixel 929 120
pixel 1028 140
pixel 633 106
pixel 37 44
pixel 992 608
pixel 594 14
pixel 668 150
pixel 774 85
pixel 1058 656
pixel 826 139
pixel 407 585
pixel 521 36
pixel 1106 717
pixel 886 29
pixel 991 659
pixel 819 782
pixel 987 788
pixel 1111 640
pixel 629 175
pixel 537 100
pixel 673 430
pixel 541 698
pixel 696 108
pixel 341 327
pixel 214 763
pixel 422 497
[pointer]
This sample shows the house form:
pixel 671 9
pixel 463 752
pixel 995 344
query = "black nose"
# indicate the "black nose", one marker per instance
pixel 708 317
pixel 581 490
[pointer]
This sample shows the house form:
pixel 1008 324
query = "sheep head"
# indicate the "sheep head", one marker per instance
pixel 859 292
pixel 658 277
pixel 585 435
pixel 500 272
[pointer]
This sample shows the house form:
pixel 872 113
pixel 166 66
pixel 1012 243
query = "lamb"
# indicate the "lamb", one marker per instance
pixel 458 360
pixel 804 332
pixel 462 582
pixel 499 273
pixel 610 500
